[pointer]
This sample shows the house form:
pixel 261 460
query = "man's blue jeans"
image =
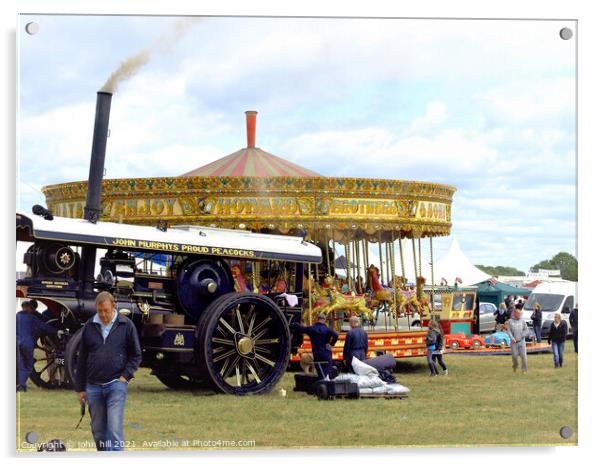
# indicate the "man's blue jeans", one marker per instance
pixel 106 404
pixel 558 350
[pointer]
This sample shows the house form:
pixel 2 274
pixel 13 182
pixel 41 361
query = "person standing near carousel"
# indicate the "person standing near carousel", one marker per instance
pixel 518 331
pixel 536 318
pixel 322 338
pixel 557 336
pixel 29 327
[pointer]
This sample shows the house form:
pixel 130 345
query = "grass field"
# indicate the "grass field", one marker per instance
pixel 480 402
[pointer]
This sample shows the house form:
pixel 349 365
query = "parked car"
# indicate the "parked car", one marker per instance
pixel 486 317
pixel 501 339
pixel 555 297
pixel 459 340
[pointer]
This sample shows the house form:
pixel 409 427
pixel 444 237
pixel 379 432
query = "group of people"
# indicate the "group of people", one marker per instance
pixel 323 338
pixel 508 318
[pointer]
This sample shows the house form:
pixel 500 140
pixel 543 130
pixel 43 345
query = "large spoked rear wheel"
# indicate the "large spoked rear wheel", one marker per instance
pixel 49 362
pixel 243 343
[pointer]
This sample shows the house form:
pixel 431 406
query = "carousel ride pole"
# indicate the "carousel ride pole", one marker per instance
pixel 347 265
pixel 419 258
pixel 415 262
pixel 394 284
pixel 432 276
pixel 389 270
pixel 327 254
pixel 380 259
pixel 403 267
pixel 360 284
pixel 353 261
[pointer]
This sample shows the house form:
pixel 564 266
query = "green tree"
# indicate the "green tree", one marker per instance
pixel 563 261
pixel 498 270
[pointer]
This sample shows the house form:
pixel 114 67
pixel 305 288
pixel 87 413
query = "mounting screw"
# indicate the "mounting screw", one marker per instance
pixel 32 28
pixel 566 33
pixel 566 431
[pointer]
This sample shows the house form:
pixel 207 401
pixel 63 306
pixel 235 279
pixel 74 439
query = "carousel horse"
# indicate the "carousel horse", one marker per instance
pixel 418 302
pixel 378 291
pixel 329 300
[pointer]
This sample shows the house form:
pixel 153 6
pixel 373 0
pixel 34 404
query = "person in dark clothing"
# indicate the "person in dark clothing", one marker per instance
pixel 356 343
pixel 30 326
pixel 557 337
pixel 431 344
pixel 439 348
pixel 536 318
pixel 501 314
pixel 574 327
pixel 109 355
pixel 323 338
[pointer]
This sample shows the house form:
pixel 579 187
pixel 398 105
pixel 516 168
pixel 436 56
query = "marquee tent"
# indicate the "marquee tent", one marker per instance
pixel 454 263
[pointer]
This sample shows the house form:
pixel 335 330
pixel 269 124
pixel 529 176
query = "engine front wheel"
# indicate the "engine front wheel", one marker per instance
pixel 243 343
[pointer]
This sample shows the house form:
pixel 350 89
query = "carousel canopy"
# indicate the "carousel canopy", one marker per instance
pixel 251 161
pixel 254 190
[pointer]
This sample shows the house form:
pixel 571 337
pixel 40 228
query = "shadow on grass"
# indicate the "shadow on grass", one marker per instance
pixel 410 366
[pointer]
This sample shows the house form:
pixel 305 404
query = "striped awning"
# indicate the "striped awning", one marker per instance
pixel 251 161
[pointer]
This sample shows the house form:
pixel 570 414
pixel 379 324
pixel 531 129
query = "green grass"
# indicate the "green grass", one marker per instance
pixel 480 402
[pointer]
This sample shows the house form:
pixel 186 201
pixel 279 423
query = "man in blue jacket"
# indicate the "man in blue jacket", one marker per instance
pixel 109 355
pixel 323 338
pixel 30 326
pixel 356 343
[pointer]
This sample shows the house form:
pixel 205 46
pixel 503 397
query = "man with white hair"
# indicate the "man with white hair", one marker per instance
pixel 356 343
pixel 518 331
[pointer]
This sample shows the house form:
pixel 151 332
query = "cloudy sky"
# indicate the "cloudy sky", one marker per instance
pixel 486 106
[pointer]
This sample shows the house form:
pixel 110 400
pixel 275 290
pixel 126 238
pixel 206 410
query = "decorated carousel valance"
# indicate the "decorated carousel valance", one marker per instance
pixel 255 190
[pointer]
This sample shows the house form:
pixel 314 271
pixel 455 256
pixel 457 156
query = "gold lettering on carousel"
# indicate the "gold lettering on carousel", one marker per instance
pixel 433 210
pixel 363 207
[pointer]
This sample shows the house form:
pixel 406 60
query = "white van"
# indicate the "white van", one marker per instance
pixel 553 297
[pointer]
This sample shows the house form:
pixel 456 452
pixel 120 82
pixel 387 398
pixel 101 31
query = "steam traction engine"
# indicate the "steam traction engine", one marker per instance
pixel 197 327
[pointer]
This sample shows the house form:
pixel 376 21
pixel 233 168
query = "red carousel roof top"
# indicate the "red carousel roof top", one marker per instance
pixel 251 161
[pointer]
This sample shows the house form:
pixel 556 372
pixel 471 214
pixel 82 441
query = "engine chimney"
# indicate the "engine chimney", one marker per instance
pixel 97 166
pixel 251 125
pixel 97 159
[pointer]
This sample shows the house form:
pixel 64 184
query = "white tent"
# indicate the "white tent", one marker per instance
pixel 453 263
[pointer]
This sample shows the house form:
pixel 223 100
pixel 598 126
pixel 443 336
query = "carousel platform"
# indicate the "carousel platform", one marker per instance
pixel 531 349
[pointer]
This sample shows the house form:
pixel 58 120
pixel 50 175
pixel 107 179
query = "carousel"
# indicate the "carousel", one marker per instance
pixel 366 229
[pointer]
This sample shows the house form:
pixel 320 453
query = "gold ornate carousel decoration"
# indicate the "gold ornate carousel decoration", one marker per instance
pixel 255 190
